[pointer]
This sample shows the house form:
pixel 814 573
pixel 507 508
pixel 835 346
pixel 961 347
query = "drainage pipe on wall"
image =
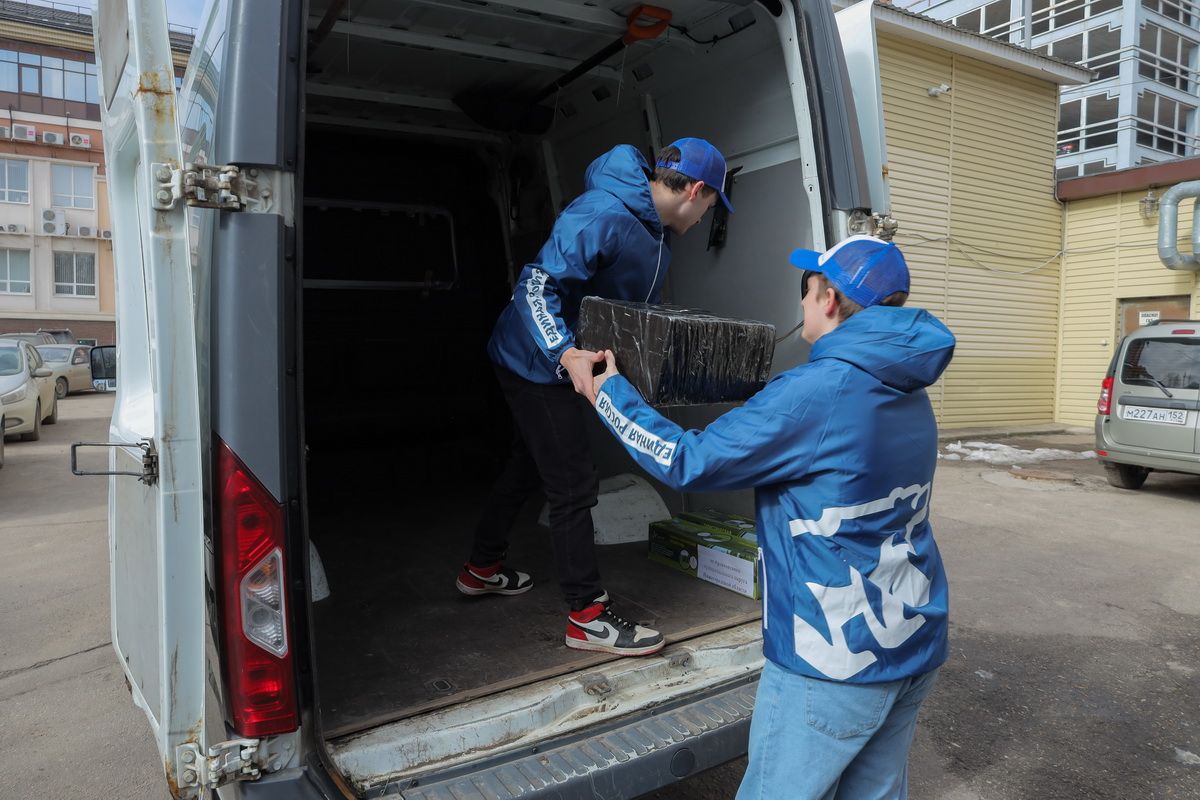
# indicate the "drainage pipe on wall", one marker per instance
pixel 1168 227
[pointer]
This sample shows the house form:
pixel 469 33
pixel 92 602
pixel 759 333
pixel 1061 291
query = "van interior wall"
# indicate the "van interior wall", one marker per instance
pixel 736 95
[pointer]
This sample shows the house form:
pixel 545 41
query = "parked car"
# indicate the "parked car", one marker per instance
pixel 26 391
pixel 71 367
pixel 61 335
pixel 1148 415
pixel 32 338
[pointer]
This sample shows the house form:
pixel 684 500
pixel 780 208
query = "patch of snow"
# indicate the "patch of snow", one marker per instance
pixel 1006 455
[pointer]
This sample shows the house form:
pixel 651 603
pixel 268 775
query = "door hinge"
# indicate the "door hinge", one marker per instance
pixel 149 473
pixel 198 185
pixel 227 762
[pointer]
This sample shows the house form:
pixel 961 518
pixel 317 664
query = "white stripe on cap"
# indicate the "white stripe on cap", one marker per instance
pixel 860 237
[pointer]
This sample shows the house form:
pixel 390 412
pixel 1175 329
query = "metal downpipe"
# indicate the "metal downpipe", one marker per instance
pixel 1168 227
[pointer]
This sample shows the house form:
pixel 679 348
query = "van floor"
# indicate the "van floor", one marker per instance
pixel 396 638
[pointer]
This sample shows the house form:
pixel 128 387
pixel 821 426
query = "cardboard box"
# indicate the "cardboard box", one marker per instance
pixel 724 522
pixel 719 557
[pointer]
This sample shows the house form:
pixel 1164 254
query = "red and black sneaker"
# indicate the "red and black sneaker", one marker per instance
pixel 495 579
pixel 598 628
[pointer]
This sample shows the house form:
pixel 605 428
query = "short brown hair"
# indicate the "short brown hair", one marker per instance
pixel 848 308
pixel 675 181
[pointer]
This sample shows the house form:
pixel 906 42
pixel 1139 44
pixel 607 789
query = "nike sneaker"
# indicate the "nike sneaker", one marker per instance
pixel 495 579
pixel 598 628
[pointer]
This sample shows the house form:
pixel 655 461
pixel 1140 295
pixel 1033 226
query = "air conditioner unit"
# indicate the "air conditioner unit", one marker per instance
pixel 84 230
pixel 15 227
pixel 104 234
pixel 54 222
pixel 50 137
pixel 5 132
pixel 80 140
pixel 24 133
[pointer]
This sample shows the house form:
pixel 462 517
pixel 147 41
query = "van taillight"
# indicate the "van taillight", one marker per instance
pixel 260 687
pixel 1104 404
pixel 1187 331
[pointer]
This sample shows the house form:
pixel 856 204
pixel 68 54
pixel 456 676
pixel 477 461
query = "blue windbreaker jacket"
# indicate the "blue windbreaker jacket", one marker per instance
pixel 609 242
pixel 841 451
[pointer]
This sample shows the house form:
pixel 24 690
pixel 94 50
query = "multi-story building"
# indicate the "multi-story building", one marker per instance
pixel 1141 107
pixel 56 266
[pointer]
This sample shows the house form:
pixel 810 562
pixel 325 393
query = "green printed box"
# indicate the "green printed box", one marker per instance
pixel 724 522
pixel 719 557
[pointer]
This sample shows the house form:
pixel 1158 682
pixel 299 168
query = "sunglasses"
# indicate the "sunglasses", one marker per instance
pixel 808 273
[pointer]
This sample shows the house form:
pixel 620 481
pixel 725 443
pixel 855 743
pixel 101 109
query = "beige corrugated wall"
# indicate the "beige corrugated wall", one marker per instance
pixel 972 181
pixel 1111 255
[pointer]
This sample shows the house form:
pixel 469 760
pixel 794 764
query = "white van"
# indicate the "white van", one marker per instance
pixel 313 237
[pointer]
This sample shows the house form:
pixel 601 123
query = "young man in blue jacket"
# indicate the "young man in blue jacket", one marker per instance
pixel 841 452
pixel 611 242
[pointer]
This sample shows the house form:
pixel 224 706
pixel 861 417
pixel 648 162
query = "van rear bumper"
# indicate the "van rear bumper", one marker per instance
pixel 625 760
pixel 1163 460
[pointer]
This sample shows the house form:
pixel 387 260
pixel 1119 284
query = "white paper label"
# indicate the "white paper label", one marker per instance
pixel 729 571
pixel 1147 317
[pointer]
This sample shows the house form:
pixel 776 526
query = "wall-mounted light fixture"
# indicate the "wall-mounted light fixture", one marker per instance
pixel 1148 205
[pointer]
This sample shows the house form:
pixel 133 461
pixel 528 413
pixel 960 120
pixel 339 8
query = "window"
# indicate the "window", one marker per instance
pixel 1087 123
pixel 14 181
pixel 14 272
pixel 1163 124
pixel 1178 10
pixel 1097 167
pixel 1049 15
pixel 971 21
pixel 1166 57
pixel 1098 49
pixel 75 274
pixel 74 187
pixel 990 20
pixel 1065 173
pixel 57 78
pixel 1174 363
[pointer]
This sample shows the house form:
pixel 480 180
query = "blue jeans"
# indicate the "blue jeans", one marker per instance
pixel 825 740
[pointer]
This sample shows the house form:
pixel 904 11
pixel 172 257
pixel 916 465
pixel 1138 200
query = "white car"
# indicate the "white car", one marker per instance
pixel 71 367
pixel 26 391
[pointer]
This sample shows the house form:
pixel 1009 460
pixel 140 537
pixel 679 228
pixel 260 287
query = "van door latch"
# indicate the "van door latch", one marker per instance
pixel 227 762
pixel 149 473
pixel 201 186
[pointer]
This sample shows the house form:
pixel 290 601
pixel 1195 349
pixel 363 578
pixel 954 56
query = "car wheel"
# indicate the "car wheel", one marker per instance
pixel 61 388
pixel 36 433
pixel 53 418
pixel 1125 476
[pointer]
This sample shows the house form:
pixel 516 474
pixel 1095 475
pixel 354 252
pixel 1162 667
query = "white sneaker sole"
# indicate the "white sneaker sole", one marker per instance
pixel 578 644
pixel 473 592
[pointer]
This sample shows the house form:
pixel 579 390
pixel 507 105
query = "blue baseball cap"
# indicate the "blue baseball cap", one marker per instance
pixel 700 161
pixel 863 268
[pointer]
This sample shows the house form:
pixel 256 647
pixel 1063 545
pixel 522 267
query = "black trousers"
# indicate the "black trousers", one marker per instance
pixel 549 451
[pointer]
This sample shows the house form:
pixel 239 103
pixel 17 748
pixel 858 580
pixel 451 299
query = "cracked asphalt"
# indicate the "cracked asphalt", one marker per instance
pixel 1074 670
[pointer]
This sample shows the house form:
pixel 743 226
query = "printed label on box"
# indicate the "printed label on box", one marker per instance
pixel 729 571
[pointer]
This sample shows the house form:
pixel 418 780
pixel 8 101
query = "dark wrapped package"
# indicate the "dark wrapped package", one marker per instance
pixel 679 356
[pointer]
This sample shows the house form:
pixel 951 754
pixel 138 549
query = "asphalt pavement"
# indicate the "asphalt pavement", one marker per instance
pixel 1074 669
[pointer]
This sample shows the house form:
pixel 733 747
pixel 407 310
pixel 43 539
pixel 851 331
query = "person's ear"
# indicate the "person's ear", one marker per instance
pixel 695 191
pixel 830 306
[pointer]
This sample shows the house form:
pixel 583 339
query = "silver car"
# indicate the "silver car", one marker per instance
pixel 70 365
pixel 1148 415
pixel 26 391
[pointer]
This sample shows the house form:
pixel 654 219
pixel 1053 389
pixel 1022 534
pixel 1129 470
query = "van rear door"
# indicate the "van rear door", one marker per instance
pixel 1157 391
pixel 856 29
pixel 156 541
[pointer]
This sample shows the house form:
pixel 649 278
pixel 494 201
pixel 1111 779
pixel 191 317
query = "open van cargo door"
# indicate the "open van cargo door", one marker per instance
pixel 156 535
pixel 856 28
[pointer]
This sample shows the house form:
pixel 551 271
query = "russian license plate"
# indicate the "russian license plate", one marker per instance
pixel 1169 416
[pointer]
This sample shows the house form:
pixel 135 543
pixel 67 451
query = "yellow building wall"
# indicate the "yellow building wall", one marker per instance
pixel 1111 255
pixel 972 184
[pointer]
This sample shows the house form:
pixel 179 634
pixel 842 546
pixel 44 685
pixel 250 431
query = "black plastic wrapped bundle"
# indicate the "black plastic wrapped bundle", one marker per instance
pixel 679 356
